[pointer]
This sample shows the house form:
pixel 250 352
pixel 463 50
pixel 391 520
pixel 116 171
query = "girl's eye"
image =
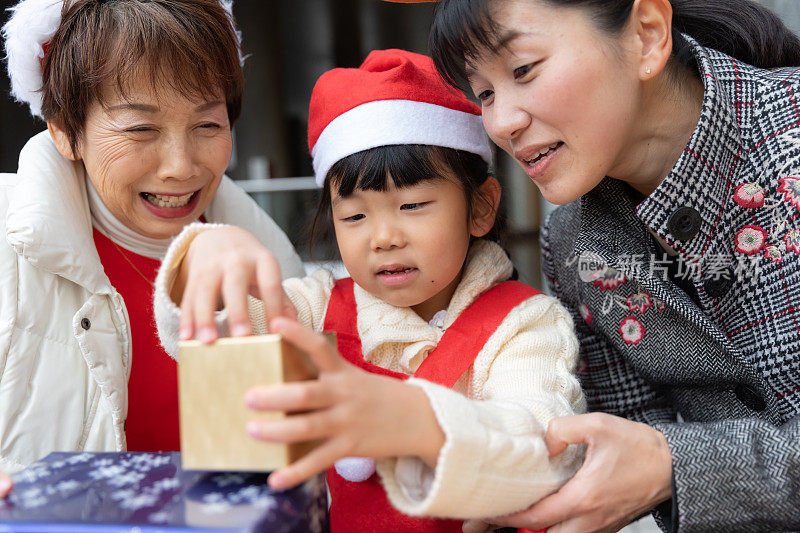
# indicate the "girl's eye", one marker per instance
pixel 485 95
pixel 354 218
pixel 410 207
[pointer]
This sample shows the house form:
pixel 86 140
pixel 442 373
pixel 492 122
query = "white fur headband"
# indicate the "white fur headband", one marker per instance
pixel 32 25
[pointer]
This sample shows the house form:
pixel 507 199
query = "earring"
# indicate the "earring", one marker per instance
pixel 647 70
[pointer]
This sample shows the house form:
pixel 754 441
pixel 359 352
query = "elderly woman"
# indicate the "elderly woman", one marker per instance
pixel 139 99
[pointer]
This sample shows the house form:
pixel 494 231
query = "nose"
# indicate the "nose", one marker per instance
pixel 178 158
pixel 387 235
pixel 506 119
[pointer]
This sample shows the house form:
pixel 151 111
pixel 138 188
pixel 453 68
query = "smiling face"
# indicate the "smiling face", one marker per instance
pixel 560 97
pixel 406 246
pixel 156 158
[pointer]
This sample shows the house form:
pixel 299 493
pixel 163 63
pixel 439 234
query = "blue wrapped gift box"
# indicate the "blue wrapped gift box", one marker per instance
pixel 148 492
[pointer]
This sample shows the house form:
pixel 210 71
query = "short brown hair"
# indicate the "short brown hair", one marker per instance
pixel 191 45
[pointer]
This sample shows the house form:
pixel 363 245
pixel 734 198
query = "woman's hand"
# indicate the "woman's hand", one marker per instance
pixel 628 470
pixel 5 485
pixel 354 413
pixel 221 267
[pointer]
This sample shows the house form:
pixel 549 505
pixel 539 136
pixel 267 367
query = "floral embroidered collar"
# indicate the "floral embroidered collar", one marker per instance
pixel 700 178
pixel 722 168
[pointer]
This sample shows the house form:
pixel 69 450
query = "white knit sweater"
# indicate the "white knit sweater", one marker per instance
pixel 494 460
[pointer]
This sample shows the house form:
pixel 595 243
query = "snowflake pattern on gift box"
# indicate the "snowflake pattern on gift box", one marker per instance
pixel 34 473
pixel 130 477
pixel 32 498
pixel 122 494
pixel 168 483
pixel 215 503
pixel 159 517
pixel 223 480
pixel 79 458
pixel 66 486
pixel 138 489
pixel 139 501
pixel 107 472
pixel 749 195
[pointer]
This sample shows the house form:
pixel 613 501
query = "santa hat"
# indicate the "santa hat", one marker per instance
pixel 27 35
pixel 394 97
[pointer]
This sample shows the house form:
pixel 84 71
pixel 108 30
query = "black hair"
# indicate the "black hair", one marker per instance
pixel 406 165
pixel 743 29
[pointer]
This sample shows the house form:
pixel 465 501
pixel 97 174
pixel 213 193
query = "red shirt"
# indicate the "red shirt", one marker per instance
pixel 152 423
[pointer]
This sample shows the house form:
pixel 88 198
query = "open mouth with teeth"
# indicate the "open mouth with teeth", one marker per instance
pixel 161 200
pixel 544 152
pixel 396 271
pixel 397 275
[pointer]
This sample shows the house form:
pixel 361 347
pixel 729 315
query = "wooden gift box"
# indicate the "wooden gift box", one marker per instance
pixel 212 381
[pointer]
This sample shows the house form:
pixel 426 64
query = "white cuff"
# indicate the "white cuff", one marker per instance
pixel 414 477
pixel 167 313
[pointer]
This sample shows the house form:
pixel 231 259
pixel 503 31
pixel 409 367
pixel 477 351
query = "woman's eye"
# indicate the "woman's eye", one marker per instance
pixel 354 218
pixel 520 72
pixel 409 207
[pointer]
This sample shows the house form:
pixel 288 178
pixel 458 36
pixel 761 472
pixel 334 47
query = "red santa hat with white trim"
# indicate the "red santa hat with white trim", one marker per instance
pixel 394 97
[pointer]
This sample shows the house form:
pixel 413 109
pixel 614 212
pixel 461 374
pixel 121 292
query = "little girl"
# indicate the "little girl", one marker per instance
pixel 455 371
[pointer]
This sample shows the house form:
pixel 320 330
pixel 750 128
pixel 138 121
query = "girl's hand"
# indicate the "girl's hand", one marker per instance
pixel 5 485
pixel 354 413
pixel 221 267
pixel 628 470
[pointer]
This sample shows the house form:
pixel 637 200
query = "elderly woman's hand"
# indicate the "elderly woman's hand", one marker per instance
pixel 221 267
pixel 5 485
pixel 628 470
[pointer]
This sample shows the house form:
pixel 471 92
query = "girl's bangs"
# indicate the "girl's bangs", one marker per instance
pixel 371 170
pixel 461 31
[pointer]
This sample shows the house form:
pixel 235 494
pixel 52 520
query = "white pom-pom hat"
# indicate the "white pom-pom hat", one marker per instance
pixel 27 33
pixel 394 97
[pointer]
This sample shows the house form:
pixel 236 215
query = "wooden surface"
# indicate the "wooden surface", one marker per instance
pixel 212 381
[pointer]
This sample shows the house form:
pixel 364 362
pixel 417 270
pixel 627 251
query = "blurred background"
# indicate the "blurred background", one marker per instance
pixel 292 42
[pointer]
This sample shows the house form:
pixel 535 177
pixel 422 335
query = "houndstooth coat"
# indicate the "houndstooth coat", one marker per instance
pixel 718 373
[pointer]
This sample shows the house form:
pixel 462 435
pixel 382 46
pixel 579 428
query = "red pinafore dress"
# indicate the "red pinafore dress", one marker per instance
pixel 363 507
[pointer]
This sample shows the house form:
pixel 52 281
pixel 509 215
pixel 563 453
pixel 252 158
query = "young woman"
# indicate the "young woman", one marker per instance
pixel 672 131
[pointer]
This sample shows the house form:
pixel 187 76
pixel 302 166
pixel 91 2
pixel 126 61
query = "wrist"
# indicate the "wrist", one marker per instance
pixel 179 281
pixel 175 262
pixel 428 438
